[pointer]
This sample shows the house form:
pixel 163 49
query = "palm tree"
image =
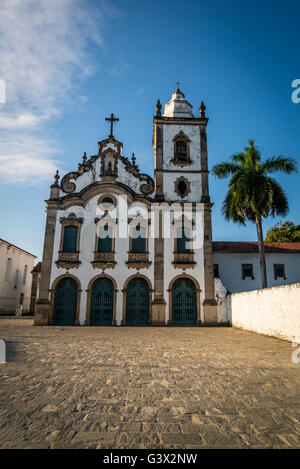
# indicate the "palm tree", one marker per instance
pixel 253 194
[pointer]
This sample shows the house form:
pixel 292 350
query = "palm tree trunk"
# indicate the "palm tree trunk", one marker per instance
pixel 261 253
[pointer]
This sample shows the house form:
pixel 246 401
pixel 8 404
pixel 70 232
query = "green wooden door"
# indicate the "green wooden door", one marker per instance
pixel 65 302
pixel 137 302
pixel 184 302
pixel 102 302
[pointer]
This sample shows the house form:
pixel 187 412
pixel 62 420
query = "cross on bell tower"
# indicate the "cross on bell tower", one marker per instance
pixel 111 119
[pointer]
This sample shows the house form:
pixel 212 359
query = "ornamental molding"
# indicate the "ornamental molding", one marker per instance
pixel 71 219
pixel 68 186
pixel 138 264
pixel 179 265
pixel 181 163
pixel 181 135
pixel 188 186
pixel 103 265
pixel 68 264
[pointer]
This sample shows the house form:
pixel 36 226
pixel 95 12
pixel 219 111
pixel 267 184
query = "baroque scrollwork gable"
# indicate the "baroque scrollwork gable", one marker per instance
pixel 110 155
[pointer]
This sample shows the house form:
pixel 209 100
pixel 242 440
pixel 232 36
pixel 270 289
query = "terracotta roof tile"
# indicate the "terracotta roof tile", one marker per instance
pixel 37 267
pixel 252 246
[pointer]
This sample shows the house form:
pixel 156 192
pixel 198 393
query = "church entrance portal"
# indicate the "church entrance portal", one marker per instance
pixel 102 302
pixel 65 302
pixel 137 302
pixel 184 310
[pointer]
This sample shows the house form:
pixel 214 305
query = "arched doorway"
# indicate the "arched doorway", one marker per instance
pixel 65 302
pixel 137 302
pixel 102 302
pixel 184 304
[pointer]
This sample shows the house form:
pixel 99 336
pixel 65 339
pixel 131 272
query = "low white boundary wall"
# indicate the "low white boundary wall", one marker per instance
pixel 273 311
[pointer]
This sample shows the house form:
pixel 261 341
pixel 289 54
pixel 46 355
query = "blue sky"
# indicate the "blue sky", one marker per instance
pixel 68 65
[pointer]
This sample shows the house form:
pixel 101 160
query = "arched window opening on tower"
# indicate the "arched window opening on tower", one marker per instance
pixel 181 148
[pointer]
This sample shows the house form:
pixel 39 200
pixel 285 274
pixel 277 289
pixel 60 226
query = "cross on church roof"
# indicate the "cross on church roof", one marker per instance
pixel 178 83
pixel 111 119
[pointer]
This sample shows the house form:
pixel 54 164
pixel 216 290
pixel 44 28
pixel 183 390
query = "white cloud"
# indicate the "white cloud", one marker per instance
pixel 28 159
pixel 118 69
pixel 14 122
pixel 44 57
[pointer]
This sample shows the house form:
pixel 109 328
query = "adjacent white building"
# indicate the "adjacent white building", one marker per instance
pixel 15 278
pixel 237 264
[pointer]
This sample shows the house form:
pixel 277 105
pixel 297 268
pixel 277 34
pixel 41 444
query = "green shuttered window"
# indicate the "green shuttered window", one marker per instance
pixel 139 239
pixel 182 240
pixel 105 239
pixel 70 239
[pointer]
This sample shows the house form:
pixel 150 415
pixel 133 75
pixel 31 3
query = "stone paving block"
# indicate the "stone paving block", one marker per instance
pixel 101 387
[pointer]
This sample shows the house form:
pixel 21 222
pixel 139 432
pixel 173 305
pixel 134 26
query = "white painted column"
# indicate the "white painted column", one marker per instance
pixel 82 311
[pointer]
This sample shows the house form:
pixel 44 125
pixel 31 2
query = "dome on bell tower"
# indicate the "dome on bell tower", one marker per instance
pixel 178 106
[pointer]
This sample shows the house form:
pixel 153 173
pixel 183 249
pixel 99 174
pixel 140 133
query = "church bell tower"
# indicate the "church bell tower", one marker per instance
pixel 181 176
pixel 180 151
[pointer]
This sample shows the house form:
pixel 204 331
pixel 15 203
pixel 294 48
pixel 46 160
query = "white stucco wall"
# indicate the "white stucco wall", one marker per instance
pixel 13 282
pixel 169 178
pixel 223 302
pixel 85 272
pixel 230 269
pixel 273 311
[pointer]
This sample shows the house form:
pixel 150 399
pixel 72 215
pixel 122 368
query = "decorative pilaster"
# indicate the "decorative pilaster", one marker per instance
pixel 158 304
pixel 209 303
pixel 42 307
pixel 158 155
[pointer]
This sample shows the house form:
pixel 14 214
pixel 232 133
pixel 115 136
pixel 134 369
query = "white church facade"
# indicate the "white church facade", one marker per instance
pixel 122 248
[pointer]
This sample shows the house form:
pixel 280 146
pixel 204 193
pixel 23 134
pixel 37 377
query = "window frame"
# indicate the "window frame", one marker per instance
pixel 143 224
pixel 98 225
pixel 276 276
pixel 70 220
pixel 181 137
pixel 246 265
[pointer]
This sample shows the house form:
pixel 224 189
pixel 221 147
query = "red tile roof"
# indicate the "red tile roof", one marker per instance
pixel 37 267
pixel 252 246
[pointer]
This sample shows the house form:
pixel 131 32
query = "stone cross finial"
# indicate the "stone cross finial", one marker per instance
pixel 111 119
pixel 177 84
pixel 158 108
pixel 202 109
pixel 56 178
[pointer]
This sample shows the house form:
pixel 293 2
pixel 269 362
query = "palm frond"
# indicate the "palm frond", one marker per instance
pixel 223 170
pixel 280 205
pixel 280 163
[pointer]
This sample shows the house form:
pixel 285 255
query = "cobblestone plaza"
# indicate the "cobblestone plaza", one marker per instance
pixel 146 387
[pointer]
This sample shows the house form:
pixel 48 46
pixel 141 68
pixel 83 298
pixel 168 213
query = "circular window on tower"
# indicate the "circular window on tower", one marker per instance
pixel 182 187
